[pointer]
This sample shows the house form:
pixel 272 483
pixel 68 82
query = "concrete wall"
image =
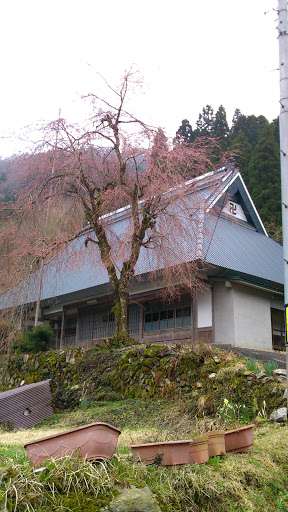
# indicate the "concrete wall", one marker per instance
pixel 252 314
pixel 242 315
pixel 205 308
pixel 223 314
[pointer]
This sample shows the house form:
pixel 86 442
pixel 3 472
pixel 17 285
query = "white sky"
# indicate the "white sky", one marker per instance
pixel 190 52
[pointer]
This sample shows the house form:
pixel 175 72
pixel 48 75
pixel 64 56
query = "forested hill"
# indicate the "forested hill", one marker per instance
pixel 256 145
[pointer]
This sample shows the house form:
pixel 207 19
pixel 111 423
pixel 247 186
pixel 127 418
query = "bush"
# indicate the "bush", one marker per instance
pixel 42 338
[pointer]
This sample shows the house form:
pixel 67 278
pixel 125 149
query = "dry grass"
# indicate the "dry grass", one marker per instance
pixel 236 483
pixel 249 482
pixel 22 437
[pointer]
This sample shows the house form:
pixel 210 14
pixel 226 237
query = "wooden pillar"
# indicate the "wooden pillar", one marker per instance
pixel 213 315
pixel 141 314
pixel 62 329
pixel 77 330
pixel 58 334
pixel 195 315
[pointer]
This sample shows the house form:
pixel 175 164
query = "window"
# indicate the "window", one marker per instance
pixel 100 323
pixel 70 331
pixel 167 319
pixel 278 329
pixel 108 317
pixel 70 326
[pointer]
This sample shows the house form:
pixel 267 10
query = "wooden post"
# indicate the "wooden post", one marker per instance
pixel 77 330
pixel 62 329
pixel 141 313
pixel 195 314
pixel 213 315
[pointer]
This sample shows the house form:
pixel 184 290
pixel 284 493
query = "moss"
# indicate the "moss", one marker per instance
pixel 153 351
pixel 141 371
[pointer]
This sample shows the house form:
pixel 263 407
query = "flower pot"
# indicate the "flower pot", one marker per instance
pixel 240 439
pixel 198 450
pixel 94 441
pixel 216 443
pixel 167 453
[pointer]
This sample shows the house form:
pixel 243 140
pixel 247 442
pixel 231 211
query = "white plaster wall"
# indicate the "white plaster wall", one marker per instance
pixel 205 308
pixel 223 314
pixel 252 317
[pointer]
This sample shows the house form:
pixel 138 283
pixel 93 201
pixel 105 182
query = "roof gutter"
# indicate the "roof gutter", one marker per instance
pixel 244 282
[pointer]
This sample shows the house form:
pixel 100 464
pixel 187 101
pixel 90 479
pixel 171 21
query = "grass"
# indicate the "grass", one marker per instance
pixel 237 482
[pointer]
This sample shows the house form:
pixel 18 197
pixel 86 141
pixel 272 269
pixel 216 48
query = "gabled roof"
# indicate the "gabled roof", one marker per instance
pixel 235 247
pixel 227 243
pixel 237 188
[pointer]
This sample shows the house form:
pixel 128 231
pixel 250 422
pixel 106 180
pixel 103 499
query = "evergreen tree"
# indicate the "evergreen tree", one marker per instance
pixel 237 114
pixel 264 176
pixel 184 133
pixel 275 128
pixel 221 128
pixel 251 126
pixel 242 149
pixel 205 122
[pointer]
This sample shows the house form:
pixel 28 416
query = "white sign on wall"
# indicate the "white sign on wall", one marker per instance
pixel 234 210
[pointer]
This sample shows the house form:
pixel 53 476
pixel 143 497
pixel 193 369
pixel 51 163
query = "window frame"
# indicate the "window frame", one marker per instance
pixel 178 317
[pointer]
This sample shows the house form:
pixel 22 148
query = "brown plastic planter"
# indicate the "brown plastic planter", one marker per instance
pixel 198 450
pixel 94 441
pixel 216 443
pixel 167 454
pixel 239 440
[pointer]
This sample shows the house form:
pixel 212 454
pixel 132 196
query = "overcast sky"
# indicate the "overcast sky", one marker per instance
pixel 190 53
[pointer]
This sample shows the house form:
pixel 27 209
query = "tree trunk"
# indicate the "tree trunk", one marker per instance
pixel 120 310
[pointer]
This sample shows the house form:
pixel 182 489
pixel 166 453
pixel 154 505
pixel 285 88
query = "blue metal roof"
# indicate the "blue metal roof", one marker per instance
pixel 236 247
pixel 77 271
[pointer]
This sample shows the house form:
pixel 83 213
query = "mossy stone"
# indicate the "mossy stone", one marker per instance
pixel 135 500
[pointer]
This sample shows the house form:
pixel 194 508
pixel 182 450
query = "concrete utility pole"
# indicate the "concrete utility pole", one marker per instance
pixel 283 123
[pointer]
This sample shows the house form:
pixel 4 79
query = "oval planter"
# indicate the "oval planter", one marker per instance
pixel 94 441
pixel 167 453
pixel 198 450
pixel 240 439
pixel 216 443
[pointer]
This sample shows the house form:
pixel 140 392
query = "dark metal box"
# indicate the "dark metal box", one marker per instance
pixel 27 405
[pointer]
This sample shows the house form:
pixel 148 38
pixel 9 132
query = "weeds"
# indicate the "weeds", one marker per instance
pixel 270 366
pixel 252 366
pixel 28 489
pixel 84 404
pixel 263 413
pixel 233 413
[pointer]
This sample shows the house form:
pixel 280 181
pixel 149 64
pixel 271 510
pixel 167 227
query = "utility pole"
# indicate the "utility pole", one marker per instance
pixel 283 124
pixel 37 312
